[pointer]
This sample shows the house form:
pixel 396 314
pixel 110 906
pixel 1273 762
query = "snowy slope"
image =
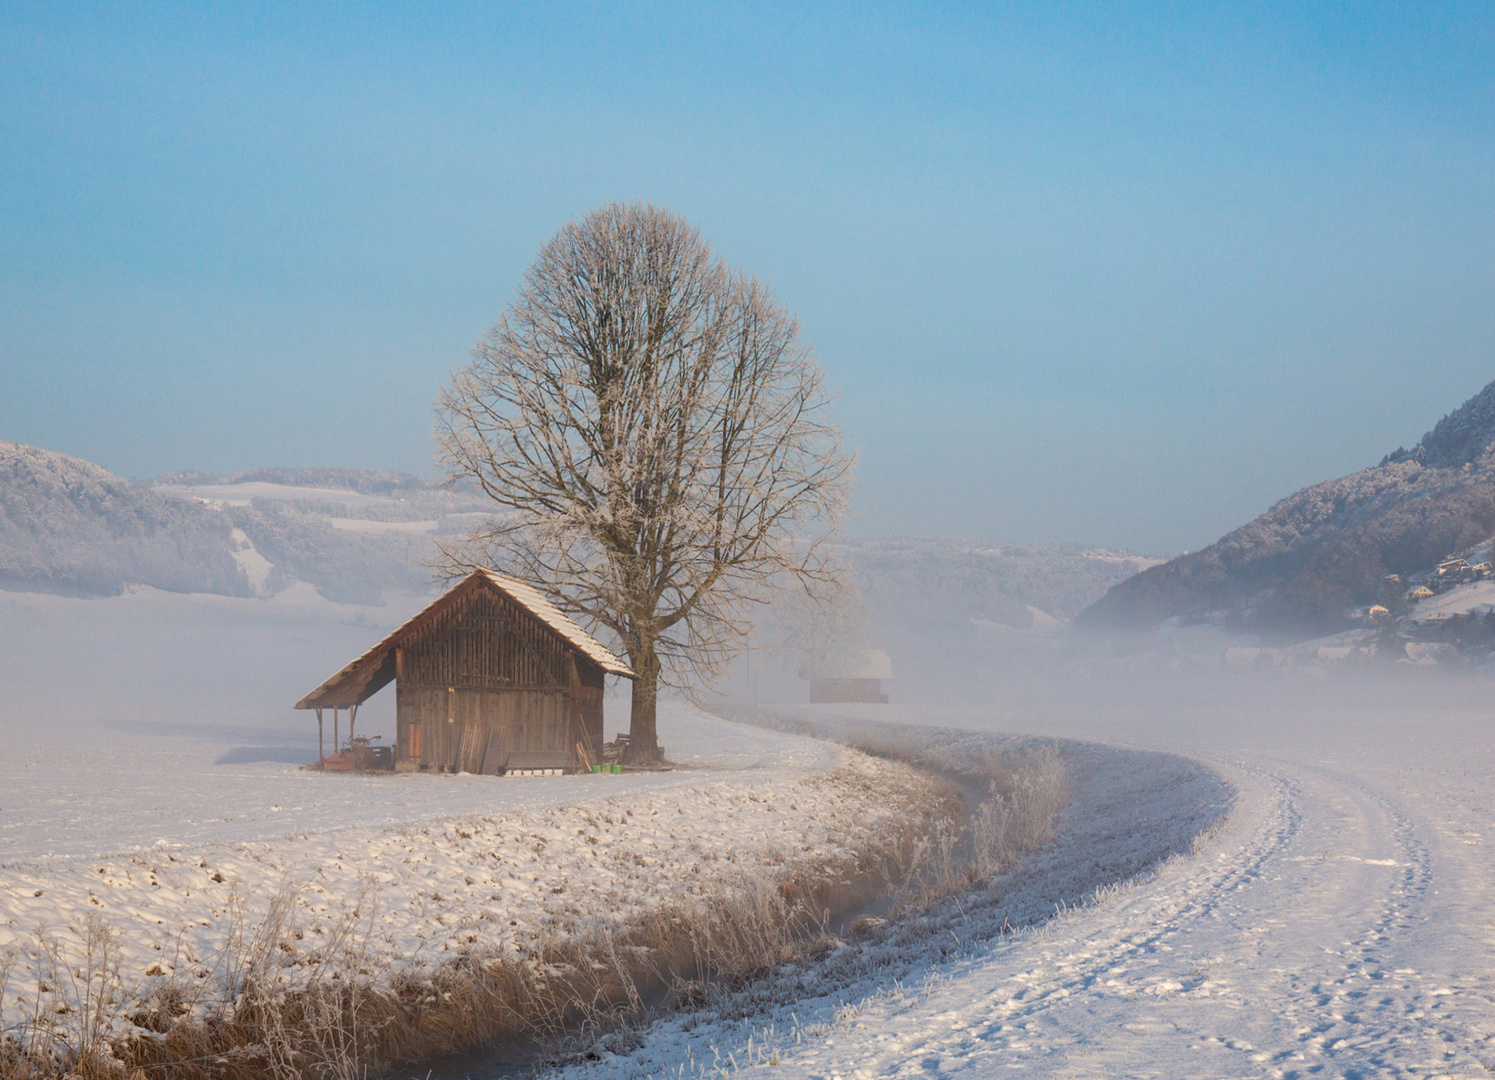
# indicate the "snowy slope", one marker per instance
pixel 1460 600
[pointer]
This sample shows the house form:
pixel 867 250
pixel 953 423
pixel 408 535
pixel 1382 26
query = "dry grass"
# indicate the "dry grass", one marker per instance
pixel 340 1014
pixel 1023 796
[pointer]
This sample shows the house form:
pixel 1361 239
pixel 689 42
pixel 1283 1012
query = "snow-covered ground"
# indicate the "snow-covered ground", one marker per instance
pixel 129 790
pixel 164 843
pixel 1340 924
pixel 134 784
pixel 1460 600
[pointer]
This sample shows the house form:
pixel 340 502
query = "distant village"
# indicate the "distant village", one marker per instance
pixel 1436 618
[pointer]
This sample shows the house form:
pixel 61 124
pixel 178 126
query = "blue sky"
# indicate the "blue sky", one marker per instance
pixel 1116 275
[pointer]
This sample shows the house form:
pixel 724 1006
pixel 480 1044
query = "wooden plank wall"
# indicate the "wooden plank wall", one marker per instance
pixel 476 730
pixel 587 691
pixel 484 679
pixel 590 706
pixel 484 640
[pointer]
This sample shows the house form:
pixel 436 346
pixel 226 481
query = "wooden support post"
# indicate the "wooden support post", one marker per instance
pixel 321 757
pixel 335 749
pixel 352 719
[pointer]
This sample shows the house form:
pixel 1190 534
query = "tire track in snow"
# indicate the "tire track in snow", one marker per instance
pixel 1118 950
pixel 1380 1010
pixel 1278 952
pixel 1339 925
pixel 1130 809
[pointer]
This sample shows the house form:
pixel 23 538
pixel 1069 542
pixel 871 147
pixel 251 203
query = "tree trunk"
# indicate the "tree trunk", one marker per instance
pixel 643 738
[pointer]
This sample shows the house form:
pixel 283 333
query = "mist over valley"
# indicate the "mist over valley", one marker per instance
pixel 890 541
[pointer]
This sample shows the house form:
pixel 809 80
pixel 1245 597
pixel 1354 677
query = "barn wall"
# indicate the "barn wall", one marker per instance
pixel 590 706
pixel 476 730
pixel 588 690
pixel 484 641
pixel 485 678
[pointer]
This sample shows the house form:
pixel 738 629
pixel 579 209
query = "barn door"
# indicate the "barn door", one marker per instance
pixel 474 745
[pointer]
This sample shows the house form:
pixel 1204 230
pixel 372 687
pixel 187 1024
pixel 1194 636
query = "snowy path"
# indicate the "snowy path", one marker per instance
pixel 1311 938
pixel 1341 922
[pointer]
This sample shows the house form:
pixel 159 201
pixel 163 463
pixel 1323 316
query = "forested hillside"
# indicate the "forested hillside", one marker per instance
pixel 1305 563
pixel 68 526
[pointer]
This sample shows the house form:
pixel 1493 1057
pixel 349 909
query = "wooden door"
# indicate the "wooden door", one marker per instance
pixel 474 745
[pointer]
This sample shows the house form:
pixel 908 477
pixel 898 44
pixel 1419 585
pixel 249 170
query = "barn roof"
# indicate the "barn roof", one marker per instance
pixel 374 670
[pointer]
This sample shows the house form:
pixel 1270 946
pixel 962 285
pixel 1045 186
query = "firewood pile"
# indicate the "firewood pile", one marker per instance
pixel 612 753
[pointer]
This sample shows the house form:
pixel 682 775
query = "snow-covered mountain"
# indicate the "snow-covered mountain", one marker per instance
pixel 68 526
pixel 71 527
pixel 1306 562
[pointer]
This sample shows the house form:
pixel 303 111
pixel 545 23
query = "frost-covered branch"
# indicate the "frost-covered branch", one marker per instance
pixel 657 436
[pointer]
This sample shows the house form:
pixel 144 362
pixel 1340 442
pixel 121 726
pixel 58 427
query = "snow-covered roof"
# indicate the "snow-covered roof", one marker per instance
pixel 366 676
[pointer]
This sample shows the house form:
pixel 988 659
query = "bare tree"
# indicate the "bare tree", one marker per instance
pixel 816 629
pixel 656 437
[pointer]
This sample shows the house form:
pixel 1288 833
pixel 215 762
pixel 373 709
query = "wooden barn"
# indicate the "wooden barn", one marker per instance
pixel 490 677
pixel 847 675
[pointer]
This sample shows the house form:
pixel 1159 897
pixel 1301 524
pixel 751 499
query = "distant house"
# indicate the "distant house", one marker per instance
pixel 1422 592
pixel 847 676
pixel 492 671
pixel 1452 566
pixel 1378 613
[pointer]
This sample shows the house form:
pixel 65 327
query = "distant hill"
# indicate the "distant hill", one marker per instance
pixel 355 534
pixel 68 526
pixel 1301 566
pixel 361 481
pixel 943 588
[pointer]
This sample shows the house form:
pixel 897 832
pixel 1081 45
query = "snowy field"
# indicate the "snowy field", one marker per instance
pixel 131 789
pixel 126 793
pixel 1341 923
pixel 1338 923
pixel 449 861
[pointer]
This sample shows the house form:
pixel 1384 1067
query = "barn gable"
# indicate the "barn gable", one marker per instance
pixel 490 670
pixel 497 632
